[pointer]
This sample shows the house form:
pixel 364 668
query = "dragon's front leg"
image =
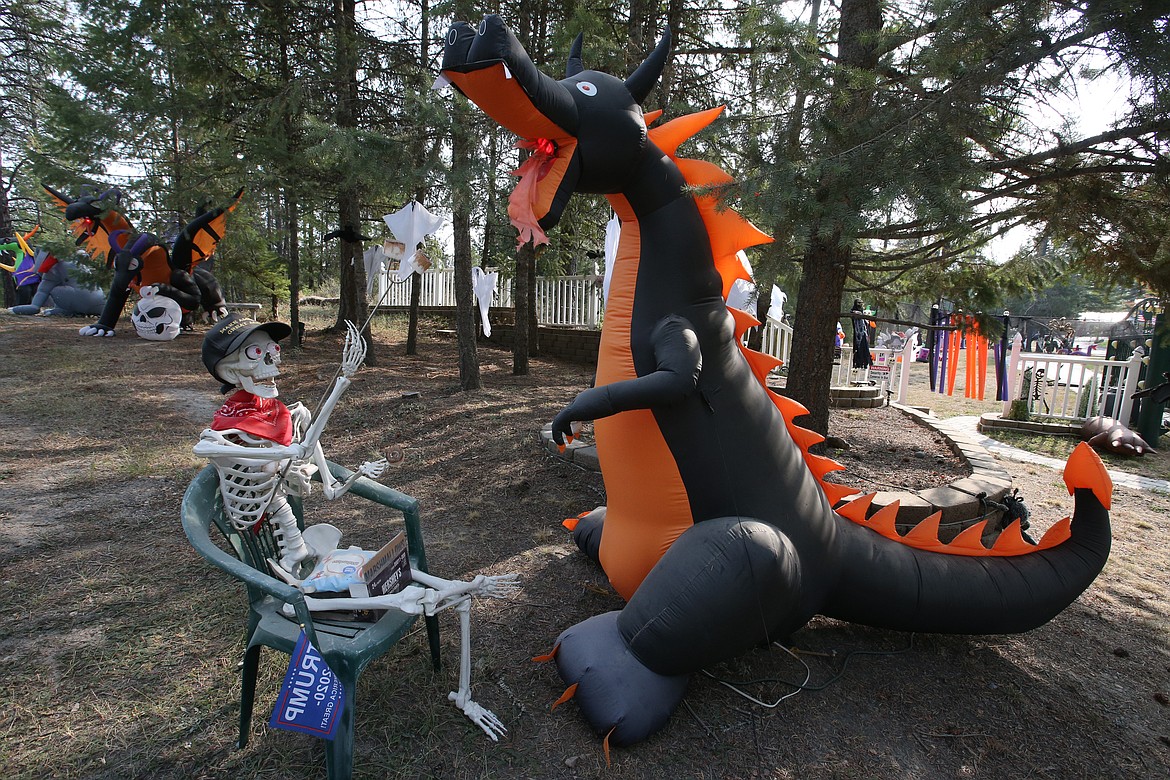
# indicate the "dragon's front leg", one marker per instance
pixel 678 363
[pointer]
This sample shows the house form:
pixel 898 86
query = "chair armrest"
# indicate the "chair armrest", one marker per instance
pixel 198 505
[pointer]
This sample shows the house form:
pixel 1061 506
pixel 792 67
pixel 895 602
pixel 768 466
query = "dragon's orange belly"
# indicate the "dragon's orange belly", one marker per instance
pixel 646 502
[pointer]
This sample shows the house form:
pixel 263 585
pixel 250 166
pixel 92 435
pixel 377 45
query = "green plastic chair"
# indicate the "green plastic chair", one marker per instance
pixel 347 646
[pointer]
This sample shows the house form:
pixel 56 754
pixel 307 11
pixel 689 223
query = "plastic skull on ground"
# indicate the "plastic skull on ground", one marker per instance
pixel 265 452
pixel 157 317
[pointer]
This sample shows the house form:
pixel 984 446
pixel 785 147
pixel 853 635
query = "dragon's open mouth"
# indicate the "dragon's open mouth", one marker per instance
pixel 490 67
pixel 541 176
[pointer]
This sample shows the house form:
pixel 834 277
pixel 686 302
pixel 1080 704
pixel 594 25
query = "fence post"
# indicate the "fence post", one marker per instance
pixel 1013 372
pixel 904 377
pixel 1133 367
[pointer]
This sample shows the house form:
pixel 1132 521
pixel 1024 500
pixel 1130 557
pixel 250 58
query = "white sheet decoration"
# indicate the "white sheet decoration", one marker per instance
pixel 776 310
pixel 742 292
pixel 484 285
pixel 410 225
pixel 613 232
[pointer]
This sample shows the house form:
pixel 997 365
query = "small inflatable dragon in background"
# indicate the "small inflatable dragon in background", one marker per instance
pixel 719 530
pixel 141 260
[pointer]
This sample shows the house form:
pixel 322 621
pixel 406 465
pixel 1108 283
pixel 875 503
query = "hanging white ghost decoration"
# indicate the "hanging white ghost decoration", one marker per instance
pixel 742 293
pixel 613 233
pixel 156 317
pixel 484 286
pixel 410 225
pixel 776 309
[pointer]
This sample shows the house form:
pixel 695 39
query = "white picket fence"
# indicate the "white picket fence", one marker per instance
pixel 569 301
pixel 888 367
pixel 1070 388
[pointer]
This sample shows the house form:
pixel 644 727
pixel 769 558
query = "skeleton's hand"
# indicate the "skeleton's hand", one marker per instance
pixel 373 468
pixel 354 351
pixel 149 291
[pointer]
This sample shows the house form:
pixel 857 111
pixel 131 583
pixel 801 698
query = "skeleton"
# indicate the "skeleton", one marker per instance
pixel 256 476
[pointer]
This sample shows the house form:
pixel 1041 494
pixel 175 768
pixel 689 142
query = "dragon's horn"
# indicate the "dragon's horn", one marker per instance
pixel 646 76
pixel 142 243
pixel 116 241
pixel 575 65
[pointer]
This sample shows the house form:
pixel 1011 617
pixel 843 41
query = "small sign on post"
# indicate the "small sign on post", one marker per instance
pixel 311 699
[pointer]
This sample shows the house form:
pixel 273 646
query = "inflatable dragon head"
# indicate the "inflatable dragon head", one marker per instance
pixel 586 132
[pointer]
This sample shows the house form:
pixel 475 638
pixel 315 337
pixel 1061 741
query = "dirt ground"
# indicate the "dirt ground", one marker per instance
pixel 121 644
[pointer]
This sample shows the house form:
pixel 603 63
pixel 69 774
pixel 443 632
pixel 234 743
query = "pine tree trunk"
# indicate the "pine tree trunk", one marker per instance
pixel 533 328
pixel 810 366
pixel 412 314
pixel 420 154
pixel 6 230
pixel 352 305
pixel 525 257
pixel 294 265
pixel 826 261
pixel 462 161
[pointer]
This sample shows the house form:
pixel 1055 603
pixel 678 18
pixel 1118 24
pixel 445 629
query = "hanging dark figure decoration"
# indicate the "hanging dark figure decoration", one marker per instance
pixel 347 234
pixel 719 529
pixel 141 261
pixel 861 357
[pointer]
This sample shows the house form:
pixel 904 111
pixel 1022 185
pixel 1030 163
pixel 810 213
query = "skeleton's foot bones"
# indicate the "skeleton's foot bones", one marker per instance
pixel 435 595
pixel 480 716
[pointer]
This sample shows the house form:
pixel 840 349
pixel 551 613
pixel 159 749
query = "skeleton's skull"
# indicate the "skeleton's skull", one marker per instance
pixel 157 318
pixel 253 367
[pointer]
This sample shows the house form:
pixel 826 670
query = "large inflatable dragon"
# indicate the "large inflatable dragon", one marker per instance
pixel 720 530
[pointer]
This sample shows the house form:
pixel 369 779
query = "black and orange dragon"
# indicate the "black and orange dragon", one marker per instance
pixel 720 530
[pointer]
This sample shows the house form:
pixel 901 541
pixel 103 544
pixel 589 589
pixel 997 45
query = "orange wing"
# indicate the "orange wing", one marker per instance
pixel 199 239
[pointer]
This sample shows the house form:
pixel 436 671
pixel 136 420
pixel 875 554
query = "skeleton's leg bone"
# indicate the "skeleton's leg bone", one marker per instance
pixel 411 600
pixel 293 549
pixel 484 718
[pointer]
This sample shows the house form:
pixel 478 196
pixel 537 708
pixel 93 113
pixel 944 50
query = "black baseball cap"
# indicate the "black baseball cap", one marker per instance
pixel 226 336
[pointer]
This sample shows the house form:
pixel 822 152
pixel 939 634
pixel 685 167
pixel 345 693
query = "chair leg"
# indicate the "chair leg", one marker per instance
pixel 339 752
pixel 433 638
pixel 248 671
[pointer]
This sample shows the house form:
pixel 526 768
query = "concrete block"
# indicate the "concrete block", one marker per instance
pixel 955 505
pixel 586 457
pixel 912 509
pixel 972 486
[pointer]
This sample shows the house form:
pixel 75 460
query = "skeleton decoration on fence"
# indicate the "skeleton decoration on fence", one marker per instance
pixel 265 451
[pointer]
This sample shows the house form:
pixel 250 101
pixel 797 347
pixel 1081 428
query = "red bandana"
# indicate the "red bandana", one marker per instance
pixel 267 418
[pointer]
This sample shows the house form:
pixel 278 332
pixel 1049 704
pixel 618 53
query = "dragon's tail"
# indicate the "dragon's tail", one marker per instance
pixel 912 583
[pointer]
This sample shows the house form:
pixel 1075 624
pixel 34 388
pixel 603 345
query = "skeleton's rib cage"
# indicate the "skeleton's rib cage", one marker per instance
pixel 247 485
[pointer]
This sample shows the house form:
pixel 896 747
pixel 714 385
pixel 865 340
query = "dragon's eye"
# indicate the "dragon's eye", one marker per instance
pixel 586 88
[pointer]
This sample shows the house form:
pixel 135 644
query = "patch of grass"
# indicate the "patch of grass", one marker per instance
pixel 1155 465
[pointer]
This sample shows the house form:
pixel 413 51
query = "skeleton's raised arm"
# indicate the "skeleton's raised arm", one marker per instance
pixel 352 355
